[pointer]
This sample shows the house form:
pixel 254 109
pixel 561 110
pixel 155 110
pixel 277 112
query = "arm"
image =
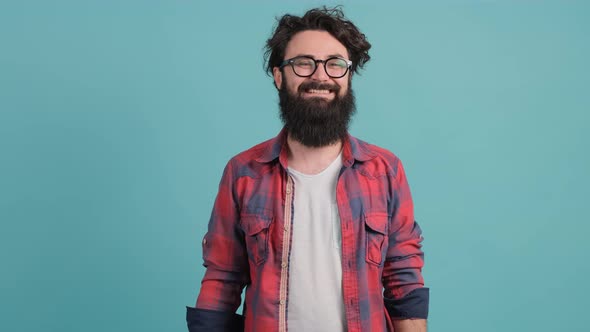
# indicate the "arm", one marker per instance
pixel 226 260
pixel 410 325
pixel 405 297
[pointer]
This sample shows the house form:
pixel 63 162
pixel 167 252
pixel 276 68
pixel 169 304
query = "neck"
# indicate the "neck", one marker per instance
pixel 311 160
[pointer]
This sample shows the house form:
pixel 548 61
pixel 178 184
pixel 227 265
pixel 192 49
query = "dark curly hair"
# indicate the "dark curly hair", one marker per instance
pixel 331 20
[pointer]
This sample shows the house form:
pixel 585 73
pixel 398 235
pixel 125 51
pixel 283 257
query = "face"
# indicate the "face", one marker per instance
pixel 319 45
pixel 316 110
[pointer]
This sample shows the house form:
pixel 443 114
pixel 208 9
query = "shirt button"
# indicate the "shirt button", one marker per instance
pixel 288 190
pixel 284 265
pixel 282 302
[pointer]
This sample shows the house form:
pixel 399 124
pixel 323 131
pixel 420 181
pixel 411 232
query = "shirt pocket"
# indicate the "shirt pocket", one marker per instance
pixel 257 230
pixel 376 235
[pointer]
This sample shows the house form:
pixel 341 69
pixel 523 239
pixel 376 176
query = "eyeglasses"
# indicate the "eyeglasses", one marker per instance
pixel 305 66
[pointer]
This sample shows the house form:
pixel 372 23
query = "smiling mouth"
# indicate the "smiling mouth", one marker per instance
pixel 314 89
pixel 318 92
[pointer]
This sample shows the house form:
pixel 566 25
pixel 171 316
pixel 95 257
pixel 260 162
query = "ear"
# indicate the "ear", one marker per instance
pixel 278 76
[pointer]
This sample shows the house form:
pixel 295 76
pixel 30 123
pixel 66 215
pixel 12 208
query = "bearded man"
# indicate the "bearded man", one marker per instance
pixel 317 225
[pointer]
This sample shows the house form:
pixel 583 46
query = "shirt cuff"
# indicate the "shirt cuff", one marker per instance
pixel 213 321
pixel 413 305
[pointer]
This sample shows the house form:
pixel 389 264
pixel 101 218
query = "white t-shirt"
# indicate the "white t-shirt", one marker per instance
pixel 315 270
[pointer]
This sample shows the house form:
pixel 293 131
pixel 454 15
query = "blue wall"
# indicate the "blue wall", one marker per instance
pixel 117 117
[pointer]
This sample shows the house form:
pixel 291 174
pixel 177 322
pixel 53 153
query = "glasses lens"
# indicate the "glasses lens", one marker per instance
pixel 303 66
pixel 336 67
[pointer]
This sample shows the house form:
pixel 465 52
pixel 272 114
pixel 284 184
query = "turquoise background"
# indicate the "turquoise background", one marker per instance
pixel 117 118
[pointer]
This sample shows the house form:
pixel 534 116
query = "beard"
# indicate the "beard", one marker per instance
pixel 316 122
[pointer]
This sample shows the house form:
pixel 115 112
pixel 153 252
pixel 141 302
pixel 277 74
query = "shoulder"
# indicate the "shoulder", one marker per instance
pixel 379 159
pixel 253 153
pixel 248 162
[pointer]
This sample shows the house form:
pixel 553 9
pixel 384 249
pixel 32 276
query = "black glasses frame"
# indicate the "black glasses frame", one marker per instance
pixel 324 62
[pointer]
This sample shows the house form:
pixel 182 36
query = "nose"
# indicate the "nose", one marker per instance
pixel 320 72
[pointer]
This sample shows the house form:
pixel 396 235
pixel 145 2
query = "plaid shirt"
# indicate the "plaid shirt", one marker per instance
pixel 249 239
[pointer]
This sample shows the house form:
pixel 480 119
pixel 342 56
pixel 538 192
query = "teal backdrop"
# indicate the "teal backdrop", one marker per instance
pixel 117 118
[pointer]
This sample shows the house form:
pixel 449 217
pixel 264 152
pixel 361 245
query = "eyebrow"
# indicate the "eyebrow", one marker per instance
pixel 334 55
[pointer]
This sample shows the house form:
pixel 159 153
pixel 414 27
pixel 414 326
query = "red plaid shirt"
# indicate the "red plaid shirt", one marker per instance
pixel 249 239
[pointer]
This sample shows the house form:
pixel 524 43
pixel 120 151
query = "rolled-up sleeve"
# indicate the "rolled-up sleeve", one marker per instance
pixel 201 320
pixel 226 262
pixel 404 293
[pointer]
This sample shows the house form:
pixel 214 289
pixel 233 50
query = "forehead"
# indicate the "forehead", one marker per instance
pixel 319 44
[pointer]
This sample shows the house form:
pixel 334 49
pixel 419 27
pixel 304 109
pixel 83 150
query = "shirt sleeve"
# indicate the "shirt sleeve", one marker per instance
pixel 404 293
pixel 224 255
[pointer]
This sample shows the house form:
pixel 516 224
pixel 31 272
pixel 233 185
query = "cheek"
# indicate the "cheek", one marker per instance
pixel 291 85
pixel 295 87
pixel 343 87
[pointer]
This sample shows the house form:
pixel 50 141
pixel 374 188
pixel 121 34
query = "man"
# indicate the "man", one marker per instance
pixel 316 224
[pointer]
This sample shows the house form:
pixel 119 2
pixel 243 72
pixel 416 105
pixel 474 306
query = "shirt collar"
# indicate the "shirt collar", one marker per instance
pixel 352 149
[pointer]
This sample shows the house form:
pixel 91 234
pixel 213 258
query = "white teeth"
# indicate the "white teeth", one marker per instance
pixel 318 91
